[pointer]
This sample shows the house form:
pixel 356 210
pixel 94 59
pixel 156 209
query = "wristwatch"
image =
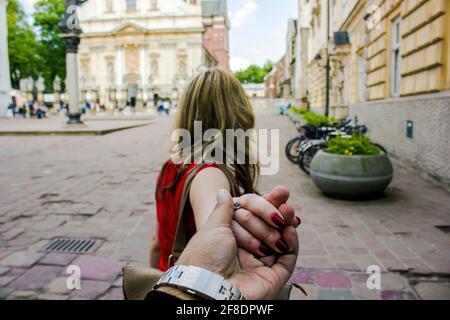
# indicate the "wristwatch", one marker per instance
pixel 199 282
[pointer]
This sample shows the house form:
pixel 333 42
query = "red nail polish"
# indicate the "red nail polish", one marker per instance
pixel 278 221
pixel 282 246
pixel 265 250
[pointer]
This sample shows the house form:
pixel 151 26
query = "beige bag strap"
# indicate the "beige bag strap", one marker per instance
pixel 180 234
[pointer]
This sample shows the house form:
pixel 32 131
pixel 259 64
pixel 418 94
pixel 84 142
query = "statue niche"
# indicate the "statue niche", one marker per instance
pixel 132 59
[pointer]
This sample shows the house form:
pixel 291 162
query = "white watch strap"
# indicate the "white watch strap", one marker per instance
pixel 200 282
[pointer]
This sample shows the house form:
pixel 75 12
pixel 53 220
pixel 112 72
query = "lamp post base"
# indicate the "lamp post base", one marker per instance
pixel 75 118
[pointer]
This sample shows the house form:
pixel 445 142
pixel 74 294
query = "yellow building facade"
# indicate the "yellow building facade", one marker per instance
pixel 394 73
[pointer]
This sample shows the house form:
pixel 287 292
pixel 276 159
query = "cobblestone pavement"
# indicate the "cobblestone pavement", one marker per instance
pixel 102 187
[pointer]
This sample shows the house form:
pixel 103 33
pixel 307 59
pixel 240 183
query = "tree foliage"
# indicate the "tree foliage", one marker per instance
pixel 24 55
pixel 254 73
pixel 47 16
pixel 38 49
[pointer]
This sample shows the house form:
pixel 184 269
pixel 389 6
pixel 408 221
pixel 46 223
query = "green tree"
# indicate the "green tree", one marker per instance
pixel 23 47
pixel 254 73
pixel 47 16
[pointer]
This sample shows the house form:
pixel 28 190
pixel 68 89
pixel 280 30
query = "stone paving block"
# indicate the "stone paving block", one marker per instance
pixel 438 261
pixel 4 280
pixel 113 294
pixel 98 268
pixel 393 282
pixel 21 259
pixel 315 262
pixel 332 279
pixel 118 282
pixel 58 259
pixel 58 286
pixel 4 292
pixel 48 224
pixel 22 242
pixel 16 272
pixel 419 246
pixel 365 261
pixel 361 292
pixel 3 270
pixel 4 253
pixel 433 290
pixel 303 276
pixel 334 294
pixel 416 265
pixel 36 278
pixel 347 265
pixel 11 234
pixel 393 264
pixel 358 251
pixel 397 295
pixel 91 289
pixel 21 295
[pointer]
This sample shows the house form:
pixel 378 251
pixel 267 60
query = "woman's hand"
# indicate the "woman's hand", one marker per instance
pixel 259 223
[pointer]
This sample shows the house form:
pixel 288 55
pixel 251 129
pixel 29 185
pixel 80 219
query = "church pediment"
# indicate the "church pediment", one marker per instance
pixel 128 28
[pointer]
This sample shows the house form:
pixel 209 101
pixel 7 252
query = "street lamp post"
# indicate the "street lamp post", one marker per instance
pixel 5 77
pixel 71 36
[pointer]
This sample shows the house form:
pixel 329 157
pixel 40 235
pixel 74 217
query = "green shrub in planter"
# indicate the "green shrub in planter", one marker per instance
pixel 316 120
pixel 298 110
pixel 351 168
pixel 356 145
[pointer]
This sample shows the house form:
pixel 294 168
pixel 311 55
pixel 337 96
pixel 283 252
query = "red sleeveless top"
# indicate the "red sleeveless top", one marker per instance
pixel 167 208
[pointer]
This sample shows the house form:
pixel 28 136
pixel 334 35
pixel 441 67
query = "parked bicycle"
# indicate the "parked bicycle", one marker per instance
pixel 311 139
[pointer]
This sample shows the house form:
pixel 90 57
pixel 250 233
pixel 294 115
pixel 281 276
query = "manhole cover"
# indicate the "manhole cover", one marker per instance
pixel 71 245
pixel 445 229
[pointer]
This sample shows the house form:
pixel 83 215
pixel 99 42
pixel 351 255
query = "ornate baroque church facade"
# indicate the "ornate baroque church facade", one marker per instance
pixel 132 50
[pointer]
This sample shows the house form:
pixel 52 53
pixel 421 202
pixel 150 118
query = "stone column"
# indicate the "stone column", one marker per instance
pixel 5 76
pixel 71 35
pixel 72 41
pixel 143 65
pixel 119 66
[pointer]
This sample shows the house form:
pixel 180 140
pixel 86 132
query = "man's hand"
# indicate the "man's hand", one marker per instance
pixel 214 248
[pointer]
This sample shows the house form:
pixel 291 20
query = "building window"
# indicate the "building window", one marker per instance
pixel 362 78
pixel 131 5
pixel 108 6
pixel 153 5
pixel 395 57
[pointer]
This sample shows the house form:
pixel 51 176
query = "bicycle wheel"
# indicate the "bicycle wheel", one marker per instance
pixel 292 149
pixel 306 156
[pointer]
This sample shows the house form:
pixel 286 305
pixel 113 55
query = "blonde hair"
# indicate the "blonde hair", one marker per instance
pixel 217 99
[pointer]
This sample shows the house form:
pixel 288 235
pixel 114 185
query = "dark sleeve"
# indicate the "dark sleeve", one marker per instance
pixel 160 296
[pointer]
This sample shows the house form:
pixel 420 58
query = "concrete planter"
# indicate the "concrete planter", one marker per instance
pixel 351 177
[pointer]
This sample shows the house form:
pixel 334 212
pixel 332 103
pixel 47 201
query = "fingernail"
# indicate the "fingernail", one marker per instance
pixel 299 221
pixel 282 246
pixel 277 220
pixel 221 196
pixel 265 250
